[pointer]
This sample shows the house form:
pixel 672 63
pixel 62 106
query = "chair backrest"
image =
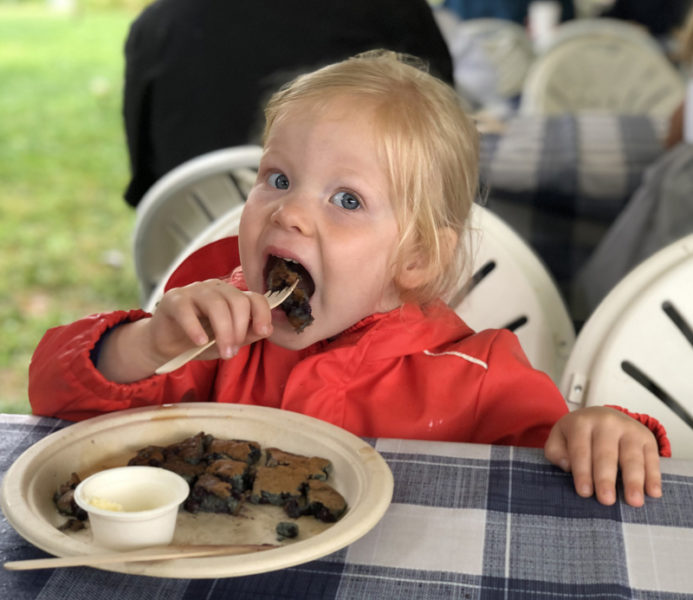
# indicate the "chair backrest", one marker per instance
pixel 602 25
pixel 490 57
pixel 226 225
pixel 507 47
pixel 601 69
pixel 511 288
pixel 183 203
pixel 589 9
pixel 636 350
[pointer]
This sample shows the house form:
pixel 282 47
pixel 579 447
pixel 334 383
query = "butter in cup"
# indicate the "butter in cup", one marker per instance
pixel 132 507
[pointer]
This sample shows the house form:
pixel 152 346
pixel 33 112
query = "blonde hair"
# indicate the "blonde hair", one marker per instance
pixel 428 143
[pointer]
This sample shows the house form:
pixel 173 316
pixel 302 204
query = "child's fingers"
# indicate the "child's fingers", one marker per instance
pixel 605 464
pixel 569 446
pixel 261 316
pixel 595 443
pixel 250 320
pixel 180 309
pixel 229 323
pixel 653 474
pixel 580 458
pixel 577 431
pixel 556 450
pixel 209 309
pixel 236 319
pixel 194 313
pixel 633 470
pixel 640 472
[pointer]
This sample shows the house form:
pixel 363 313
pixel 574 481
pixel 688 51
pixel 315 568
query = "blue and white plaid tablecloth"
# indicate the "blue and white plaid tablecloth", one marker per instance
pixel 560 181
pixel 466 522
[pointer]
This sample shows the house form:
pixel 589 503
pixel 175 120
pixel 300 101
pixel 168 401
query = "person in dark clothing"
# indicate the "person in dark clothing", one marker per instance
pixel 198 71
pixel 511 10
pixel 659 18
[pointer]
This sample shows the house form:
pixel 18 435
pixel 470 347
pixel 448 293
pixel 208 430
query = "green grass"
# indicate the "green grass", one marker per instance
pixel 63 169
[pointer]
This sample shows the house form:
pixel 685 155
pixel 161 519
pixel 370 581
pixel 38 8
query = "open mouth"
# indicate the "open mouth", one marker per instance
pixel 282 272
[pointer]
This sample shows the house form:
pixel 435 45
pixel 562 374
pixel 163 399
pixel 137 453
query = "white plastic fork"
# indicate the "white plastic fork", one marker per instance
pixel 274 298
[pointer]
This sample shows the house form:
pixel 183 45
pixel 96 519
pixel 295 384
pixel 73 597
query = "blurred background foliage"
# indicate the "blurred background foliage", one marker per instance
pixel 65 230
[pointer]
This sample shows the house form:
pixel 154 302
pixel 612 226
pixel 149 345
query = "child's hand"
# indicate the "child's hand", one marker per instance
pixel 191 315
pixel 593 442
pixel 184 318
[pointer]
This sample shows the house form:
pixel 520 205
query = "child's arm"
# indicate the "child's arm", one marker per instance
pixel 183 319
pixel 594 442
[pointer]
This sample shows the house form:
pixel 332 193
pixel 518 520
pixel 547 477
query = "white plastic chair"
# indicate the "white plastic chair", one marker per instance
pixel 599 69
pixel 507 47
pixel 490 58
pixel 511 288
pixel 573 28
pixel 224 226
pixel 183 203
pixel 636 350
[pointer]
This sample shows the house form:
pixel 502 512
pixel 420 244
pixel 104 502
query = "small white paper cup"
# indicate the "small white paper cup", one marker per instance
pixel 132 507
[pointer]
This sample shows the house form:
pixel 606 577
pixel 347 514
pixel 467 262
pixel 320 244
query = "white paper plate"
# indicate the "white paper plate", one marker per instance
pixel 360 474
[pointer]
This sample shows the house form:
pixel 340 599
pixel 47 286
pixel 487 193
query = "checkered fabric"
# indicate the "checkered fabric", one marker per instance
pixel 466 522
pixel 560 181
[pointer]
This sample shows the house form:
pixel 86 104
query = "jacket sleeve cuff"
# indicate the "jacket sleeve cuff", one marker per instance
pixel 654 426
pixel 63 381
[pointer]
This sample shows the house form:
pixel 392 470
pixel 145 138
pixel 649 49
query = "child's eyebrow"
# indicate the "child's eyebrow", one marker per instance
pixel 271 156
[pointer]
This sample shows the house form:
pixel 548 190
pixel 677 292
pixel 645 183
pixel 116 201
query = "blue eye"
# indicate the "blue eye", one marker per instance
pixel 279 181
pixel 346 200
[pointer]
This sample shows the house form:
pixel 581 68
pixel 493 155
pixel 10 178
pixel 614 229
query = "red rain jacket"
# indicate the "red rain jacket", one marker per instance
pixel 409 373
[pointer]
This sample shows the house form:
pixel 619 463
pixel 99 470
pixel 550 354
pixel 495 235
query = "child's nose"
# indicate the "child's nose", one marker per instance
pixel 293 212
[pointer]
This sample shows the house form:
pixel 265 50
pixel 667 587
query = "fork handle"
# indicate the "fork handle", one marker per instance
pixel 181 359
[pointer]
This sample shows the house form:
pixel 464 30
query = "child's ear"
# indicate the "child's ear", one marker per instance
pixel 417 269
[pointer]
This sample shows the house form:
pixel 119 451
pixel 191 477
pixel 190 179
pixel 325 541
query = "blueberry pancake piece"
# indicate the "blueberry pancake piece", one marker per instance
pixel 318 499
pixel 234 472
pixel 277 485
pixel 286 530
pixel 243 450
pixel 64 499
pixel 211 494
pixel 324 502
pixel 191 450
pixel 281 273
pixel 316 467
pixel 151 456
pixel 223 474
pixel 186 470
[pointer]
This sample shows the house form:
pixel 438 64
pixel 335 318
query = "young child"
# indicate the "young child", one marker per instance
pixel 367 177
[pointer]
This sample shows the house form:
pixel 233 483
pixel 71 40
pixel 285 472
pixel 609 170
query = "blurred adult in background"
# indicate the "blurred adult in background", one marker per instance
pixel 661 19
pixel 659 212
pixel 511 10
pixel 684 56
pixel 198 71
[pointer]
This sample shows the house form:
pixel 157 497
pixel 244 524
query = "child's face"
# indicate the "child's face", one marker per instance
pixel 322 198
